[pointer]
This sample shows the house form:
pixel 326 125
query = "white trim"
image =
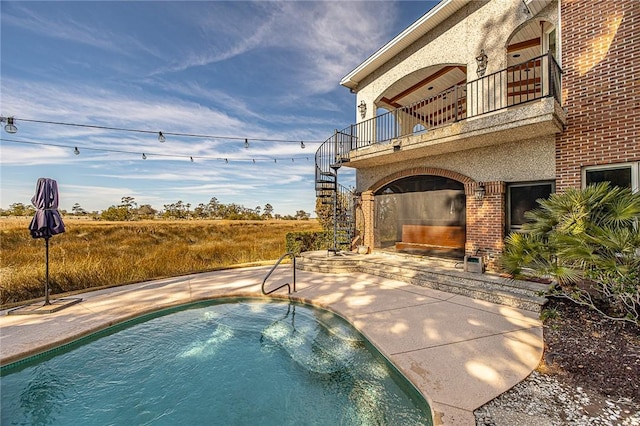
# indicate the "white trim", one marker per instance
pixel 535 6
pixel 559 35
pixel 635 172
pixel 426 23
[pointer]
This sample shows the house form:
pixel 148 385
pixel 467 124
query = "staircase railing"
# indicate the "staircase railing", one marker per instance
pixel 293 257
pixel 337 198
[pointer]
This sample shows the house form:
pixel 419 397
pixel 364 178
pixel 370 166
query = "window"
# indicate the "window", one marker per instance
pixel 522 197
pixel 419 129
pixel 625 175
pixel 552 43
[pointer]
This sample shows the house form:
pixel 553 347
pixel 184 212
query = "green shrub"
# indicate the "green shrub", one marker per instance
pixel 589 242
pixel 298 242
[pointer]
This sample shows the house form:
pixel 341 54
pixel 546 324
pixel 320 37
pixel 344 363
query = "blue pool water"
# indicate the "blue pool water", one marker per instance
pixel 240 362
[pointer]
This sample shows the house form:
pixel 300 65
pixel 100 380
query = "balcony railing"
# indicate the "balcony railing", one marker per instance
pixel 518 84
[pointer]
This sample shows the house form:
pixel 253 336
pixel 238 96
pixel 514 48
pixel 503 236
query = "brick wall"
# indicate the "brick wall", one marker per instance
pixel 601 86
pixel 485 222
pixel 367 202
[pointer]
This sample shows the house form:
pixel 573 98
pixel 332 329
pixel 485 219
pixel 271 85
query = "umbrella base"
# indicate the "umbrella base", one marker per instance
pixel 39 308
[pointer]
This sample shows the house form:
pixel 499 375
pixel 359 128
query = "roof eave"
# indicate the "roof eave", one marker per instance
pixel 426 23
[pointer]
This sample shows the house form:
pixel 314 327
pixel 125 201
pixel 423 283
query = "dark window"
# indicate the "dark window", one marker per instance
pixel 522 198
pixel 618 177
pixel 420 183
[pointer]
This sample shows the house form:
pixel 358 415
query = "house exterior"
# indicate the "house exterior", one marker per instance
pixel 477 110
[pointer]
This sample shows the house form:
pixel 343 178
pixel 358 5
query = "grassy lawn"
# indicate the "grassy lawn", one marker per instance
pixel 96 254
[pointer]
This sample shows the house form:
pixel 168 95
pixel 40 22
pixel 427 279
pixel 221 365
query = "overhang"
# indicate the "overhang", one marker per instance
pixel 535 6
pixel 426 23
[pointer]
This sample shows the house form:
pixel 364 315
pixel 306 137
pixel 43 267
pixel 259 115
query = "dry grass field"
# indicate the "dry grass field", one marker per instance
pixel 96 254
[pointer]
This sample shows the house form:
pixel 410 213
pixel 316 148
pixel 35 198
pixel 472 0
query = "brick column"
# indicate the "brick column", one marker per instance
pixel 486 222
pixel 368 215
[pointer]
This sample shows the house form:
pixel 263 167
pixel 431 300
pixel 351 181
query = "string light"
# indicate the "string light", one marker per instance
pixel 11 128
pixel 246 143
pixel 144 157
pixel 76 151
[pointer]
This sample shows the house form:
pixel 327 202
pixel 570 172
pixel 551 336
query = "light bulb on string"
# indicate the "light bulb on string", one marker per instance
pixel 10 127
pixel 76 151
pixel 226 160
pixel 246 143
pixel 191 158
pixel 144 156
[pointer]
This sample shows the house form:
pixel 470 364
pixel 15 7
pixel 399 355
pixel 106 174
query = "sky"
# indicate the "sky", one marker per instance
pixel 267 71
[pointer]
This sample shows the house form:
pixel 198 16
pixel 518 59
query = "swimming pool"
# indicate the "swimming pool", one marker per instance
pixel 239 361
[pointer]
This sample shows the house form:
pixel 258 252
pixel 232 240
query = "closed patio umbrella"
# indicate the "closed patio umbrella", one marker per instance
pixel 47 221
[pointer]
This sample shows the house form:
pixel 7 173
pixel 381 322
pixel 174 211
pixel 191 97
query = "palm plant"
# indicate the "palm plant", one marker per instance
pixel 588 241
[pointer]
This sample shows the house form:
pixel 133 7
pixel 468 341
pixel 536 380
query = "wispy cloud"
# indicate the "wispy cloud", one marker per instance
pixel 229 70
pixel 49 22
pixel 331 39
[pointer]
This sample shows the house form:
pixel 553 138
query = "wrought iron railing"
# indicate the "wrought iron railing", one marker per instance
pixel 518 84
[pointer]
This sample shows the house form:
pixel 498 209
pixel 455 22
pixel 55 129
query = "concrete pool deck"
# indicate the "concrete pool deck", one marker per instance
pixel 459 352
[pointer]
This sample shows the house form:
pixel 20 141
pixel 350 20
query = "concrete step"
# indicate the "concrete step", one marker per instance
pixel 440 274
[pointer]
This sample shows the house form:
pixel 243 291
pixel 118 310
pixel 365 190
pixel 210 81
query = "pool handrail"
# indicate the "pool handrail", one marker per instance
pixel 293 257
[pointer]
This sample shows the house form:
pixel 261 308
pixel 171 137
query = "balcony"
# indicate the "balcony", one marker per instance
pixel 520 102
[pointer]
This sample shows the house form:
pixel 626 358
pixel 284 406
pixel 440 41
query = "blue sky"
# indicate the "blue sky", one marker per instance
pixel 265 71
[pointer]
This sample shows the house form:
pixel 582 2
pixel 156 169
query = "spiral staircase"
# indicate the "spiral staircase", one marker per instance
pixel 334 199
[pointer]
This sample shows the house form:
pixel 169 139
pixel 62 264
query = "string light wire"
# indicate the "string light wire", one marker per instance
pixel 146 154
pixel 164 134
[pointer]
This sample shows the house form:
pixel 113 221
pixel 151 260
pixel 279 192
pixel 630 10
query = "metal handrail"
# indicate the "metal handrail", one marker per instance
pixel 492 92
pixel 293 256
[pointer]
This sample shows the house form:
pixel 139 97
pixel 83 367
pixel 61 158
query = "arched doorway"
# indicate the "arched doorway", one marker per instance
pixel 421 214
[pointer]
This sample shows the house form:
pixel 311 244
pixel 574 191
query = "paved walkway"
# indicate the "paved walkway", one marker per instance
pixel 459 352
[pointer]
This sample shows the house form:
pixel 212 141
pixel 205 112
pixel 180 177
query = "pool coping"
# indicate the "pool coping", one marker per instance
pixel 458 352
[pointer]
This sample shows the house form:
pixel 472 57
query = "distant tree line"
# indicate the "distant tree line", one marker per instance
pixel 129 210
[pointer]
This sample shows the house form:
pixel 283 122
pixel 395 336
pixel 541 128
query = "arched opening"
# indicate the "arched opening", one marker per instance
pixel 429 97
pixel 530 40
pixel 423 214
pixel 526 61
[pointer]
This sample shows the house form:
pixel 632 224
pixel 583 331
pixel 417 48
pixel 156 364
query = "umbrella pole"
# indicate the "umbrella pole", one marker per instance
pixel 46 285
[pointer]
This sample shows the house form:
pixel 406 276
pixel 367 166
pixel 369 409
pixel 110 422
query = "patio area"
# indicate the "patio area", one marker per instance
pixel 459 352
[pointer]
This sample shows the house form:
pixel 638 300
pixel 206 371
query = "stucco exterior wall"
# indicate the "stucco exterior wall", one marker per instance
pixel 521 161
pixel 482 24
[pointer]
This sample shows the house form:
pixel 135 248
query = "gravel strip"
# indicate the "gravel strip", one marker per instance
pixel 542 400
